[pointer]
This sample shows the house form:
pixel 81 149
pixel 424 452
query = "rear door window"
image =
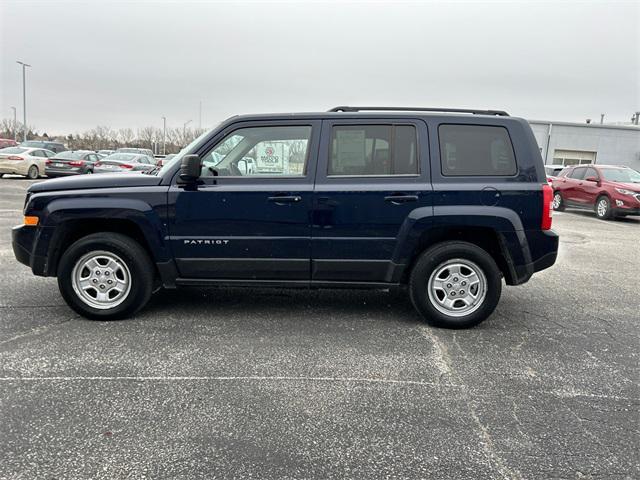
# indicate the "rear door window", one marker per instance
pixel 476 150
pixel 373 150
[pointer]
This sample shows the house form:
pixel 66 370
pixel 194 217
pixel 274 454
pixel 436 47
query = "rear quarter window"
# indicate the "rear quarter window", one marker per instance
pixel 476 150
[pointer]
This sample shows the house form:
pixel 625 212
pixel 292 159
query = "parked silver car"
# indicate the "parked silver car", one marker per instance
pixel 125 162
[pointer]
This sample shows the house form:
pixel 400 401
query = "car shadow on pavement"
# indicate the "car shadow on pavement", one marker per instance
pixel 362 303
pixel 633 220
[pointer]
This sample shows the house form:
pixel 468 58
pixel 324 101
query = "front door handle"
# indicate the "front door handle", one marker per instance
pixel 285 199
pixel 398 199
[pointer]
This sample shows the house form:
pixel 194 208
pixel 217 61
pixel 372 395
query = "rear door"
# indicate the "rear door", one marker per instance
pixel 372 173
pixel 249 226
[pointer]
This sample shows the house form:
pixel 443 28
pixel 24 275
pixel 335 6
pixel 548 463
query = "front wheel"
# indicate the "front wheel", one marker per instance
pixel 603 208
pixel 105 276
pixel 455 285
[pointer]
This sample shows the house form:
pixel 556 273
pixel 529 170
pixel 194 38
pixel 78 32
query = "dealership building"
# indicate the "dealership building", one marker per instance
pixel 564 143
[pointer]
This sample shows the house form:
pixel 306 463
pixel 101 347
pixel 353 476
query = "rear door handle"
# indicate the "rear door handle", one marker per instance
pixel 397 199
pixel 285 199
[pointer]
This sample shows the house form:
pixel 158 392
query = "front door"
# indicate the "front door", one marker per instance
pixel 249 219
pixel 371 175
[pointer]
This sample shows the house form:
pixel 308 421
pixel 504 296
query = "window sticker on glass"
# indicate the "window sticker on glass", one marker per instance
pixel 351 150
pixel 271 157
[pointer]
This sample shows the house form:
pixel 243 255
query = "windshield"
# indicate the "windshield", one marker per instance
pixel 624 175
pixel 178 158
pixel 70 155
pixel 13 150
pixel 121 156
pixel 32 144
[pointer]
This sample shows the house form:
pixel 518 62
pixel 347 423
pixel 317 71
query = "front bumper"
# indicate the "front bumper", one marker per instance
pixel 626 211
pixel 24 241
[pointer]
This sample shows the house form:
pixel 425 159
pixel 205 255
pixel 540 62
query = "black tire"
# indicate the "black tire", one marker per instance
pixel 560 205
pixel 33 173
pixel 134 257
pixel 431 261
pixel 605 213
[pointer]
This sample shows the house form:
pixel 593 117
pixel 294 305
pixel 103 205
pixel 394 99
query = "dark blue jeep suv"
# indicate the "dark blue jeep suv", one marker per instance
pixel 445 202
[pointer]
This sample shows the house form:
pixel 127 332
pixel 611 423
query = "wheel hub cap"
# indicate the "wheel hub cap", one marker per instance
pixel 457 287
pixel 101 279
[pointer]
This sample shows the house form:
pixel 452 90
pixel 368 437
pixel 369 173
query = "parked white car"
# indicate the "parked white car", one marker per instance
pixel 26 161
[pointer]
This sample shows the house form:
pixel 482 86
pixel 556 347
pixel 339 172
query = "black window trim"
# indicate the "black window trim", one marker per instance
pixel 515 158
pixel 391 149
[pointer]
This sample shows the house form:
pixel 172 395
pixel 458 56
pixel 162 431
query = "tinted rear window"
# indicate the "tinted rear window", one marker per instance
pixel 476 150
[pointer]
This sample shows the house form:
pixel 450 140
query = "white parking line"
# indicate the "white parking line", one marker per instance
pixel 222 379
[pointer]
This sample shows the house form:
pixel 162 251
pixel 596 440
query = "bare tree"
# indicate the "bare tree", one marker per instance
pixel 125 136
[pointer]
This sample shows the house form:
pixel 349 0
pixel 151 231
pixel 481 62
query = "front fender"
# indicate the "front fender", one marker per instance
pixel 62 214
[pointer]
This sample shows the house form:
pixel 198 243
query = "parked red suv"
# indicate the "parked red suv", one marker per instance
pixel 608 189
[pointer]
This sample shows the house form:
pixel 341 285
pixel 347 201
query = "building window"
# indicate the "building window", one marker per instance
pixel 573 157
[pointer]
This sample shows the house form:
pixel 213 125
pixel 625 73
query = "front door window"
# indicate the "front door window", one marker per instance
pixel 260 151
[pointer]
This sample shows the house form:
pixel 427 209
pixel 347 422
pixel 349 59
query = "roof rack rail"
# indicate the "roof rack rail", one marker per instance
pixel 345 108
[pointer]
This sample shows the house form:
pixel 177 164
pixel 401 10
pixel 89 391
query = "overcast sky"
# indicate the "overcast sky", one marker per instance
pixel 126 64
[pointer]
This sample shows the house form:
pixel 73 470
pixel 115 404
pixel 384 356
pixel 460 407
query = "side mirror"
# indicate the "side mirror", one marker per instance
pixel 592 179
pixel 190 169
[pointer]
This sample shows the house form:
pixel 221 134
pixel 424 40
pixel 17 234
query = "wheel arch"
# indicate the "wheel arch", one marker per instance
pixel 496 230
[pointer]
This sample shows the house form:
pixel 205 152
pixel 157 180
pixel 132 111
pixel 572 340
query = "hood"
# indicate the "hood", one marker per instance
pixel 101 180
pixel 635 187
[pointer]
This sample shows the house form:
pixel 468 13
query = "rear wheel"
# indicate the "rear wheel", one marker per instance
pixel 455 285
pixel 105 276
pixel 33 172
pixel 558 203
pixel 603 208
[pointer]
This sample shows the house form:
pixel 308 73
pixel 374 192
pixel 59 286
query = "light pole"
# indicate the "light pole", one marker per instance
pixel 15 124
pixel 24 97
pixel 164 135
pixel 184 130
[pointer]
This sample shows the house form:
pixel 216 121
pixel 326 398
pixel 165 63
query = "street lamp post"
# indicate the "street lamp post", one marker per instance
pixel 184 130
pixel 164 135
pixel 15 124
pixel 24 97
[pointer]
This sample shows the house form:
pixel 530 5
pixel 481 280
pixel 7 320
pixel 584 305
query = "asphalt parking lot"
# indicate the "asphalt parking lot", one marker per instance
pixel 209 383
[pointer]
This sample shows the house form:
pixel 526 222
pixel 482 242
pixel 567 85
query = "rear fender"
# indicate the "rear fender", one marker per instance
pixel 503 221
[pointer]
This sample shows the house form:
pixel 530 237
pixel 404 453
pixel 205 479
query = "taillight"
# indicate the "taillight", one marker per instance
pixel 76 163
pixel 98 164
pixel 125 165
pixel 14 157
pixel 547 210
pixel 48 162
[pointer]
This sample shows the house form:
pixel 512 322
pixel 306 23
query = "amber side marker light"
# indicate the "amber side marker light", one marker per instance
pixel 30 220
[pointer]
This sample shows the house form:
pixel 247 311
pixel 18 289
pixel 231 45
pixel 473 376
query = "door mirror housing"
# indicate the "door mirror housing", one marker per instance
pixel 190 169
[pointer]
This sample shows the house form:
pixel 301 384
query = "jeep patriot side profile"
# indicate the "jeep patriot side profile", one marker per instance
pixel 445 202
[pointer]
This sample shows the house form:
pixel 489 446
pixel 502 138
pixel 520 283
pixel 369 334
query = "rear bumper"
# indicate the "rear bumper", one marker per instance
pixel 543 248
pixel 61 173
pixel 20 168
